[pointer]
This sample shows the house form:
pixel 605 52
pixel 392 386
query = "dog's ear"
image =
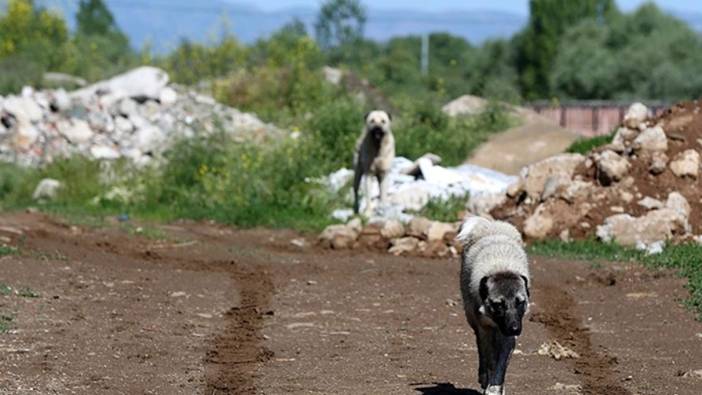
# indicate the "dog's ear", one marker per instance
pixel 526 285
pixel 389 116
pixel 484 288
pixel 365 117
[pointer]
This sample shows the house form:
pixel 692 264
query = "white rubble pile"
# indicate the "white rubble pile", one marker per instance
pixel 136 115
pixel 407 193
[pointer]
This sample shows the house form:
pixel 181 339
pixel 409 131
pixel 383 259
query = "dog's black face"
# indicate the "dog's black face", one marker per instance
pixel 505 301
pixel 377 132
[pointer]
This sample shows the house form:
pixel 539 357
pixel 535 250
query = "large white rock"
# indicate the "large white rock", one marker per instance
pixel 143 82
pixel 651 140
pixel 104 152
pixel 612 167
pixel 539 224
pixel 559 167
pixel 654 227
pixel 77 131
pixel 686 164
pixel 465 105
pixel 47 189
pixel 23 108
pixel 635 115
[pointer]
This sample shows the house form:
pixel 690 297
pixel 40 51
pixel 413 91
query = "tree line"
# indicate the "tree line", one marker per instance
pixel 585 49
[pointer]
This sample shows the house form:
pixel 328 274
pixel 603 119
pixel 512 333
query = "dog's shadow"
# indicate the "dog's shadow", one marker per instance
pixel 445 389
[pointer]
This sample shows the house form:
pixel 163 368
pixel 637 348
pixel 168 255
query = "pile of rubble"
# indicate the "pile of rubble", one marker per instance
pixel 136 115
pixel 640 190
pixel 419 237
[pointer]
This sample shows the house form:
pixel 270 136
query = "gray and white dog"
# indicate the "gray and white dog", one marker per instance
pixel 375 151
pixel 495 289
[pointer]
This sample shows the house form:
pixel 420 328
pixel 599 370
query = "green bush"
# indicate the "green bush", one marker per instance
pixel 585 145
pixel 423 128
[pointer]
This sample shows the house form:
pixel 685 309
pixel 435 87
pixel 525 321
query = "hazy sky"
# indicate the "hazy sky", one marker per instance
pixel 516 6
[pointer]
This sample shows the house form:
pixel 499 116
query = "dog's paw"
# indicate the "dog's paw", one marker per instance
pixel 494 390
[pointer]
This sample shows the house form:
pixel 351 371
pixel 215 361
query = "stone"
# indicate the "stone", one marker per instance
pixel 404 246
pixel 419 227
pixel 560 167
pixel 435 248
pixel 677 202
pixel 438 230
pixel 650 203
pixel 659 162
pixel 104 152
pixel 339 236
pixel 392 229
pixel 332 75
pixel 168 96
pixel 651 140
pixel 611 167
pixel 47 189
pixel 141 83
pixel 577 191
pixel 686 164
pixel 465 105
pixel 515 189
pixel 23 108
pixel 635 115
pixel 655 226
pixel 623 136
pixel 539 224
pixel 483 203
pixel 76 131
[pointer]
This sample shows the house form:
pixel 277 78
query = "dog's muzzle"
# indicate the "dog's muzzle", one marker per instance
pixel 377 132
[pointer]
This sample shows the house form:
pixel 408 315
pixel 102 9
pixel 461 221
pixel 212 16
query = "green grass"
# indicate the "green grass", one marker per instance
pixel 444 210
pixel 5 323
pixel 5 289
pixel 7 250
pixel 683 257
pixel 585 145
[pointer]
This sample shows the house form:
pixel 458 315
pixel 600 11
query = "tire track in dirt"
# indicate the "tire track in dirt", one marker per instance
pixel 557 314
pixel 236 353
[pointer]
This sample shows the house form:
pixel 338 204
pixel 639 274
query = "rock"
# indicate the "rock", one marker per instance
pixel 104 152
pixel 415 169
pixel 435 248
pixel 482 204
pixel 47 189
pixel 515 189
pixel 355 224
pixel 76 131
pixel 539 224
pixel 626 196
pixel 392 229
pixel 650 203
pixel 168 96
pixel 636 115
pixel 332 75
pixel 556 351
pixel 651 140
pixel 611 167
pixel 438 230
pixel 339 236
pixel 560 167
pixel 578 191
pixel 142 83
pixel 23 108
pixel 419 227
pixel 465 105
pixel 697 374
pixel 623 136
pixel 150 139
pixel 659 162
pixel 686 164
pixel 404 246
pixel 655 226
pixel 677 202
pixel 370 237
pixel 299 242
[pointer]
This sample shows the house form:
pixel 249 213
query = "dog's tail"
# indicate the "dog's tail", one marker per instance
pixel 475 228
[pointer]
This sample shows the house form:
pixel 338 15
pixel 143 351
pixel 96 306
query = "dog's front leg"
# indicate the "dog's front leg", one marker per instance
pixel 503 347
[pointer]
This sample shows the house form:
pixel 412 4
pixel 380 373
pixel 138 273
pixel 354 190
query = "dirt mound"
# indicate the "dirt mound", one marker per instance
pixel 641 189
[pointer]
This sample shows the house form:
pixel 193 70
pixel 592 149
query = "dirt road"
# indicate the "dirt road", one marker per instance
pixel 210 310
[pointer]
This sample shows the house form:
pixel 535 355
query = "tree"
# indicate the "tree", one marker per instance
pixel 340 22
pixel 538 43
pixel 94 19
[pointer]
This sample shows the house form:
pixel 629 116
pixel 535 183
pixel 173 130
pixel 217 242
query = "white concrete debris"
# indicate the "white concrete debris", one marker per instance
pixel 407 193
pixel 136 115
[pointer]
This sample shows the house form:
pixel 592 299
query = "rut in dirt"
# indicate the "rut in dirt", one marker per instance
pixel 236 353
pixel 594 367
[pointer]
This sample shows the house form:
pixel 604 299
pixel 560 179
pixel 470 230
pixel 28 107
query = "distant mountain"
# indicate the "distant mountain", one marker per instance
pixel 164 23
